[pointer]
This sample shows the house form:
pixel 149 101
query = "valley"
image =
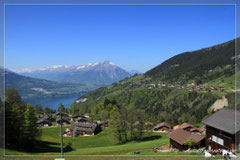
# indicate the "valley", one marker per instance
pixel 131 107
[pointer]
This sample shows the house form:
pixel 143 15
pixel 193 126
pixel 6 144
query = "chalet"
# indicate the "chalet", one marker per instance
pixel 45 120
pixel 63 114
pixel 87 115
pixel 222 131
pixel 148 125
pixel 195 130
pixel 65 120
pixel 102 124
pixel 179 136
pixel 79 118
pixel 84 129
pixel 163 127
pixel 188 127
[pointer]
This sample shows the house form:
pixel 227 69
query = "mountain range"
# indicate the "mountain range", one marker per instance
pixel 98 73
pixel 61 81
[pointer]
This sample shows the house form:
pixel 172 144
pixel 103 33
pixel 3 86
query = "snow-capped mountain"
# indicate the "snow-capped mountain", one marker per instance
pixel 97 73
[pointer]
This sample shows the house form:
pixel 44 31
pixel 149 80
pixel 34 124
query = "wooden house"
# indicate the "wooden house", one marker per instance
pixel 63 114
pixel 87 115
pixel 195 130
pixel 222 131
pixel 45 120
pixel 179 136
pixel 188 126
pixel 79 118
pixel 163 127
pixel 65 120
pixel 102 124
pixel 85 129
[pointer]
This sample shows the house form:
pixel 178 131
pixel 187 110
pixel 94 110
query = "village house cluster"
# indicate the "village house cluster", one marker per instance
pixel 79 125
pixel 190 87
pixel 179 134
pixel 220 133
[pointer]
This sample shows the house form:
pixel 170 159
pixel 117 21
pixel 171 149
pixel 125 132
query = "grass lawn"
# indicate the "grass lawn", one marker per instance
pixel 101 145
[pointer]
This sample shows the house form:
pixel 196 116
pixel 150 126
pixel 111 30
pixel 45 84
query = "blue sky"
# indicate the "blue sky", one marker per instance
pixel 132 37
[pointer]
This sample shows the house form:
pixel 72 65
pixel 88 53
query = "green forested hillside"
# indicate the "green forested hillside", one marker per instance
pixel 180 89
pixel 202 65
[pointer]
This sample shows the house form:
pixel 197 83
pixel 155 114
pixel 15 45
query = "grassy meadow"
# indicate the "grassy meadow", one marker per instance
pixel 100 146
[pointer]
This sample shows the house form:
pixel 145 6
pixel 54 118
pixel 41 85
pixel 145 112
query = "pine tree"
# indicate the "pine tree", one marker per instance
pixel 61 108
pixel 30 128
pixel 115 125
pixel 47 110
pixel 14 118
pixel 20 121
pixel 39 108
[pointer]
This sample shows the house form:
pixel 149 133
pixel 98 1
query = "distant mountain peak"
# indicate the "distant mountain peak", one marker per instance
pixel 26 70
pixel 60 66
pixel 64 67
pixel 108 62
pixel 98 72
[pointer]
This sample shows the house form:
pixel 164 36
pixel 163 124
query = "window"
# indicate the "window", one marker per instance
pixel 214 139
pixel 220 141
pixel 217 140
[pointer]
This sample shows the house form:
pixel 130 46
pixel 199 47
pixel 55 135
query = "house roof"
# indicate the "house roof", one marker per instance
pixel 84 126
pixel 225 120
pixel 176 127
pixel 63 114
pixel 187 125
pixel 80 119
pixel 195 129
pixel 87 114
pixel 180 136
pixel 44 119
pixel 102 122
pixel 64 119
pixel 77 115
pixel 162 125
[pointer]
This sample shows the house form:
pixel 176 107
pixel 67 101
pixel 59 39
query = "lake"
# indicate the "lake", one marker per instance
pixel 54 102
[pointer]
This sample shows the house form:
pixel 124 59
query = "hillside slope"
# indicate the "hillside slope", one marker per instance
pixel 203 65
pixel 167 91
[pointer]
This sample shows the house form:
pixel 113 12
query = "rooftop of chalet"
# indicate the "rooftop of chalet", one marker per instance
pixel 180 136
pixel 227 120
pixel 162 125
pixel 187 125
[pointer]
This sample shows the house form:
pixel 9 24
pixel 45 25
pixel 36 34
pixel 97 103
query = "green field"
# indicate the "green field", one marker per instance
pixel 101 145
